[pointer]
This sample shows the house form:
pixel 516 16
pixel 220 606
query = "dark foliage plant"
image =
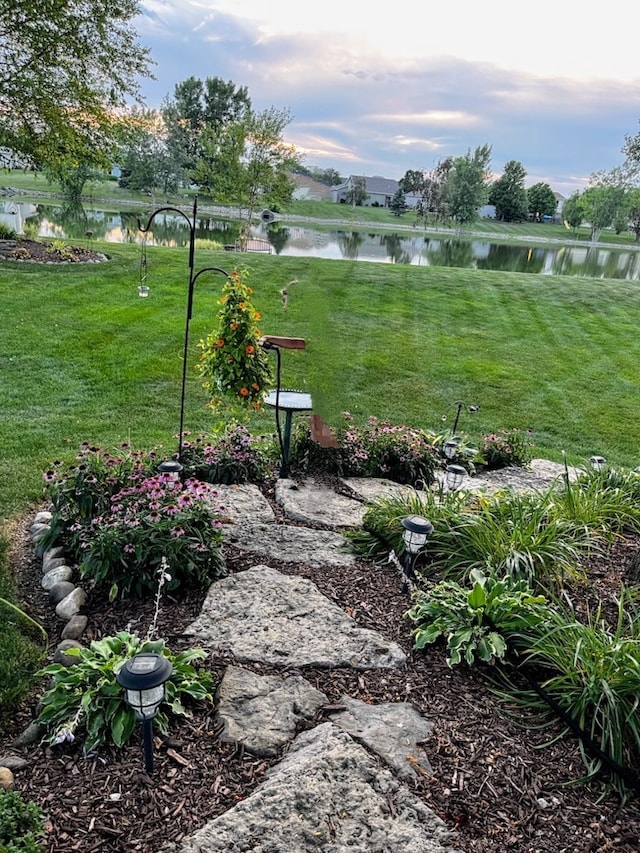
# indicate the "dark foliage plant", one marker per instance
pixel 21 824
pixel 234 457
pixel 378 449
pixel 506 447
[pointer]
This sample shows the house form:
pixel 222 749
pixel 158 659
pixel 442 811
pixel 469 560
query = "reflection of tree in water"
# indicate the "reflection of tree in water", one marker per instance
pixel 73 220
pixel 393 246
pixel 278 236
pixel 596 263
pixel 451 253
pixel 513 259
pixel 350 242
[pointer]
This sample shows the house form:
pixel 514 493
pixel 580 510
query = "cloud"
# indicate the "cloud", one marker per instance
pixel 360 109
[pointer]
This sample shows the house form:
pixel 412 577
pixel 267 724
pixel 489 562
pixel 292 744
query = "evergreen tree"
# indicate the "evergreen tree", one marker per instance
pixel 508 193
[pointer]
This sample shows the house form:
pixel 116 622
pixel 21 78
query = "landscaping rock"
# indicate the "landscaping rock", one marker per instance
pixel 60 655
pixel 13 762
pixel 291 624
pixel 313 503
pixel 6 779
pixel 32 734
pixel 371 488
pixel 261 712
pixel 74 628
pixel 56 576
pixel 43 517
pixel 392 730
pixel 327 794
pixel 48 565
pixel 59 591
pixel 38 531
pixel 72 604
pixel 291 544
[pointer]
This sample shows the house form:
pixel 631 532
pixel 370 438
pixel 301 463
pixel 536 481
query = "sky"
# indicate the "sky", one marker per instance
pixel 376 89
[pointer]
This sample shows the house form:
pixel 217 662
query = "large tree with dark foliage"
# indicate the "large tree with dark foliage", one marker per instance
pixel 541 200
pixel 65 68
pixel 508 193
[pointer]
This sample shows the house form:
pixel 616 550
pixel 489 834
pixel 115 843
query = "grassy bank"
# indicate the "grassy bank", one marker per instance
pixel 85 359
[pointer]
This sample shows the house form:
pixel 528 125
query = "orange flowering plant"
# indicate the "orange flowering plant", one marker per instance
pixel 234 367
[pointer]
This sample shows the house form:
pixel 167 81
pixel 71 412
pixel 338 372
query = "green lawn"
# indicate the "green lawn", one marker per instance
pixel 84 358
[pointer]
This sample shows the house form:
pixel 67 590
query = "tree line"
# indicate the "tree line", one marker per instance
pixel 68 72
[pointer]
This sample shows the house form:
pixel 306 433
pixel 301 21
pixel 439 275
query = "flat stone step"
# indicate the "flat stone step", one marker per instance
pixel 265 616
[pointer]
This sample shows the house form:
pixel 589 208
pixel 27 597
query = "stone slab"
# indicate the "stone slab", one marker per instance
pixel 393 730
pixel 328 794
pixel 291 544
pixel 265 616
pixel 315 503
pixel 372 488
pixel 262 711
pixel 244 504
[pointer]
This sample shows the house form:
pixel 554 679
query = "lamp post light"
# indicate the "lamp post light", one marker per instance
pixel 597 462
pixel 143 291
pixel 455 475
pixel 450 448
pixel 416 532
pixel 144 677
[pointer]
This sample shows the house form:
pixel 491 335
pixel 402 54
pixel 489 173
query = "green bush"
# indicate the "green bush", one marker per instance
pixel 506 447
pixel 606 503
pixel 6 232
pixel 379 449
pixel 86 698
pixel 591 670
pixel 21 824
pixel 233 457
pixel 118 521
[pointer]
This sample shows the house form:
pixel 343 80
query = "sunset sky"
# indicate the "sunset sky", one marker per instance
pixel 378 90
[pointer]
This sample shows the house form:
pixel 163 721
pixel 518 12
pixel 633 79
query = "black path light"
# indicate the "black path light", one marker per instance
pixel 454 477
pixel 144 677
pixel 143 291
pixel 416 532
pixel 597 462
pixel 450 448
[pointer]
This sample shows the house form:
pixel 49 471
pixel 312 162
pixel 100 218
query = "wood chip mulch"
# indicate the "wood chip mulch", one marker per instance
pixel 493 782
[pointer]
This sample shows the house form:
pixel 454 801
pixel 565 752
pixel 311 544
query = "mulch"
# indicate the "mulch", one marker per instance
pixel 493 782
pixel 43 252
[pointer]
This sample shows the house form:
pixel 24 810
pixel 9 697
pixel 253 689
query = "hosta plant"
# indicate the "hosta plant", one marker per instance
pixel 86 701
pixel 476 622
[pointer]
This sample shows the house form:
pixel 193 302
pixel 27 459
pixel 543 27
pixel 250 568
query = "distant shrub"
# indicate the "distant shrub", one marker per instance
pixel 6 232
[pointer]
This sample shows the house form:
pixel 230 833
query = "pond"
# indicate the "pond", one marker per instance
pixel 415 248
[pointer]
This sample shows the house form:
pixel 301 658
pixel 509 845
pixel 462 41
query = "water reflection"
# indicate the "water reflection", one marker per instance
pixel 78 222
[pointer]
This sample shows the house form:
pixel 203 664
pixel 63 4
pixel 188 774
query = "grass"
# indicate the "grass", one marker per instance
pixel 84 358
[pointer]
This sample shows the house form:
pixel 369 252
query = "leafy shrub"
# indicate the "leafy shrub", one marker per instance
pixel 21 824
pixel 379 449
pixel 234 367
pixel 149 520
pixel 606 503
pixel 475 622
pixel 86 698
pixel 234 457
pixel 118 519
pixel 505 448
pixel 6 232
pixel 61 249
pixel 506 534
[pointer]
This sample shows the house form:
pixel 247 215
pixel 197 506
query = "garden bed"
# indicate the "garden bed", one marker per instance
pixel 490 782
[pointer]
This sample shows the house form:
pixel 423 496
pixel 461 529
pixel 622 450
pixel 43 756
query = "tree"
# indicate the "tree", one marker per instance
pixel 267 161
pixel 198 118
pixel 541 201
pixel 467 188
pixel 601 205
pixel 508 193
pixel 413 181
pixel 573 211
pixel 144 157
pixel 65 68
pixel 633 211
pixel 398 204
pixel 357 192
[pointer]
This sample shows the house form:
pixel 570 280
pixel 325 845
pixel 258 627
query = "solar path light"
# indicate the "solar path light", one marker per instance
pixel 416 532
pixel 144 677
